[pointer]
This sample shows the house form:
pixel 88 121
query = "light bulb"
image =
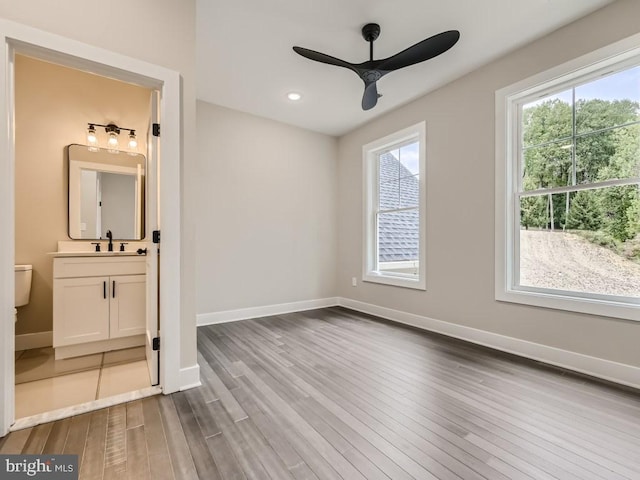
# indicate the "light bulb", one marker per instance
pixel 133 143
pixel 294 96
pixel 92 139
pixel 113 140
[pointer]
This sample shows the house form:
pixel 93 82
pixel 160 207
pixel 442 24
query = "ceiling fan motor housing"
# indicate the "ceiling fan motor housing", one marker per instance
pixel 371 31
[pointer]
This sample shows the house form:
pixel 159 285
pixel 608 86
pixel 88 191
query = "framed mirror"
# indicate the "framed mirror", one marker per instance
pixel 106 192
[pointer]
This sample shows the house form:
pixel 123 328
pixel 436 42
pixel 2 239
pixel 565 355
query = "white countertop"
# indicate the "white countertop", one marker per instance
pixel 93 254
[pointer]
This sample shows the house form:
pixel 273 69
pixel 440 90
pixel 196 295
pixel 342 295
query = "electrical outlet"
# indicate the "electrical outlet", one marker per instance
pixel 354 282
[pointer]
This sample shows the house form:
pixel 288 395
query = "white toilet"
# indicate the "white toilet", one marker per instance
pixel 23 286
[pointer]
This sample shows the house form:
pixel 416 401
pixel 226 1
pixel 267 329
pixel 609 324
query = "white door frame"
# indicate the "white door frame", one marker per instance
pixel 17 38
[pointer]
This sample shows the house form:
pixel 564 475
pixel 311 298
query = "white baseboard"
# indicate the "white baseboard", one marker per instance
pixel 190 377
pixel 27 341
pixel 264 311
pixel 593 366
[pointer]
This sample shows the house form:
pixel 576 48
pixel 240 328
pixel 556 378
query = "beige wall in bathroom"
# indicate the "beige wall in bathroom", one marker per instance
pixel 53 106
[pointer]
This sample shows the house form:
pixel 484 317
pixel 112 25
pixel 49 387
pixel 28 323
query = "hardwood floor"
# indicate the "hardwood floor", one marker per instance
pixel 334 394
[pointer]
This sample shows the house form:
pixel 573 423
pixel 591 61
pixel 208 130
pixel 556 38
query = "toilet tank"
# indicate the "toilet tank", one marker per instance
pixel 23 284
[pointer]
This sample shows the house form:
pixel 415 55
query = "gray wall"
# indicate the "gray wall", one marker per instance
pixel 460 201
pixel 267 212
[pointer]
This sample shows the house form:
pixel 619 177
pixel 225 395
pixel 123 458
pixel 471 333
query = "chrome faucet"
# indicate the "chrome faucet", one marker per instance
pixel 110 237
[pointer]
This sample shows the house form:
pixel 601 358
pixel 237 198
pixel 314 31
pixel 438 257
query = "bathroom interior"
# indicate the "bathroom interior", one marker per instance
pixel 80 314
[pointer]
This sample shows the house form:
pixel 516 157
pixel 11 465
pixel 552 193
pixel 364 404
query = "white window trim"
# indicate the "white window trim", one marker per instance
pixel 591 65
pixel 369 244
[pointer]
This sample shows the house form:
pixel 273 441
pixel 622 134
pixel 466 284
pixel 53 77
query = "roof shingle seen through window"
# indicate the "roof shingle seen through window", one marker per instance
pixel 398 232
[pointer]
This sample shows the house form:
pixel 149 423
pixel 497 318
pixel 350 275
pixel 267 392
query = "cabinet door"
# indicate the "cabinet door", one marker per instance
pixel 80 310
pixel 128 300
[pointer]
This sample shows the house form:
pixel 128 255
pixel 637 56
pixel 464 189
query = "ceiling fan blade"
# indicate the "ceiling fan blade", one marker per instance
pixel 421 51
pixel 370 97
pixel 323 58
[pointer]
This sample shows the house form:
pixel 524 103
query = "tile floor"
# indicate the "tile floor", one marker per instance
pixel 44 384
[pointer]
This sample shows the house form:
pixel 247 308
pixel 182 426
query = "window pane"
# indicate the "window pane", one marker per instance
pixel 409 192
pixel 548 166
pixel 608 155
pixel 389 195
pixel 547 119
pixel 389 167
pixel 409 159
pixel 398 242
pixel 608 101
pixel 592 245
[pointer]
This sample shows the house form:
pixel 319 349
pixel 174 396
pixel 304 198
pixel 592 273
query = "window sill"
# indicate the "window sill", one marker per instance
pixel 374 277
pixel 565 301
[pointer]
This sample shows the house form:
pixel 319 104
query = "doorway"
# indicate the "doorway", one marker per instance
pixel 19 39
pixel 75 186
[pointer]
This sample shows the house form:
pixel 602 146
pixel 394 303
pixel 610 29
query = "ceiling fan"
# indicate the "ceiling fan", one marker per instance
pixel 373 70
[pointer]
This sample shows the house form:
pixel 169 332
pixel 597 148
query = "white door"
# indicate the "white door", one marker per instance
pixel 153 250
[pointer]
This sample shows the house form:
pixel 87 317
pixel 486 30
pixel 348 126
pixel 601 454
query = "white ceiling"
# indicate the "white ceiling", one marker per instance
pixel 245 60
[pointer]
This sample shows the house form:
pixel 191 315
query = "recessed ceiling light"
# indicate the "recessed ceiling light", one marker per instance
pixel 295 96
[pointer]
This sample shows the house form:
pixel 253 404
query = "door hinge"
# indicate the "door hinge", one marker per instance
pixel 156 236
pixel 156 343
pixel 156 129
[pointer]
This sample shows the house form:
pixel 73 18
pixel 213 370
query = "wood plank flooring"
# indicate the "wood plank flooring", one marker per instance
pixel 334 394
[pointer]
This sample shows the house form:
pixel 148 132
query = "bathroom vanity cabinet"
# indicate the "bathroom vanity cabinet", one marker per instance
pixel 98 304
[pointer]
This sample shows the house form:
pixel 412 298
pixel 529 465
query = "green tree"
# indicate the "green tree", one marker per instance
pixel 584 211
pixel 547 161
pixel 594 151
pixel 620 204
pixel 533 212
pixel 601 153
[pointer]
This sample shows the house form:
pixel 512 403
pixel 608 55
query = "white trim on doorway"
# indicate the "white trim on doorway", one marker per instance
pixel 91 406
pixel 19 38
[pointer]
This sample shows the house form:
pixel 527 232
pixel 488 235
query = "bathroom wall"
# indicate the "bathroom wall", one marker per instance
pixel 53 106
pixel 460 120
pixel 267 208
pixel 161 32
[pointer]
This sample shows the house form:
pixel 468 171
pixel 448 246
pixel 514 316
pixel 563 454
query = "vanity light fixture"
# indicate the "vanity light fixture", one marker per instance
pixel 112 131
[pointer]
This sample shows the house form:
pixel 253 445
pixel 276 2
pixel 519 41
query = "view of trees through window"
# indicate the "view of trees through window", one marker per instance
pixel 580 188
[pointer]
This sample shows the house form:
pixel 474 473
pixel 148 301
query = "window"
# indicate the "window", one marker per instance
pixel 568 189
pixel 394 243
